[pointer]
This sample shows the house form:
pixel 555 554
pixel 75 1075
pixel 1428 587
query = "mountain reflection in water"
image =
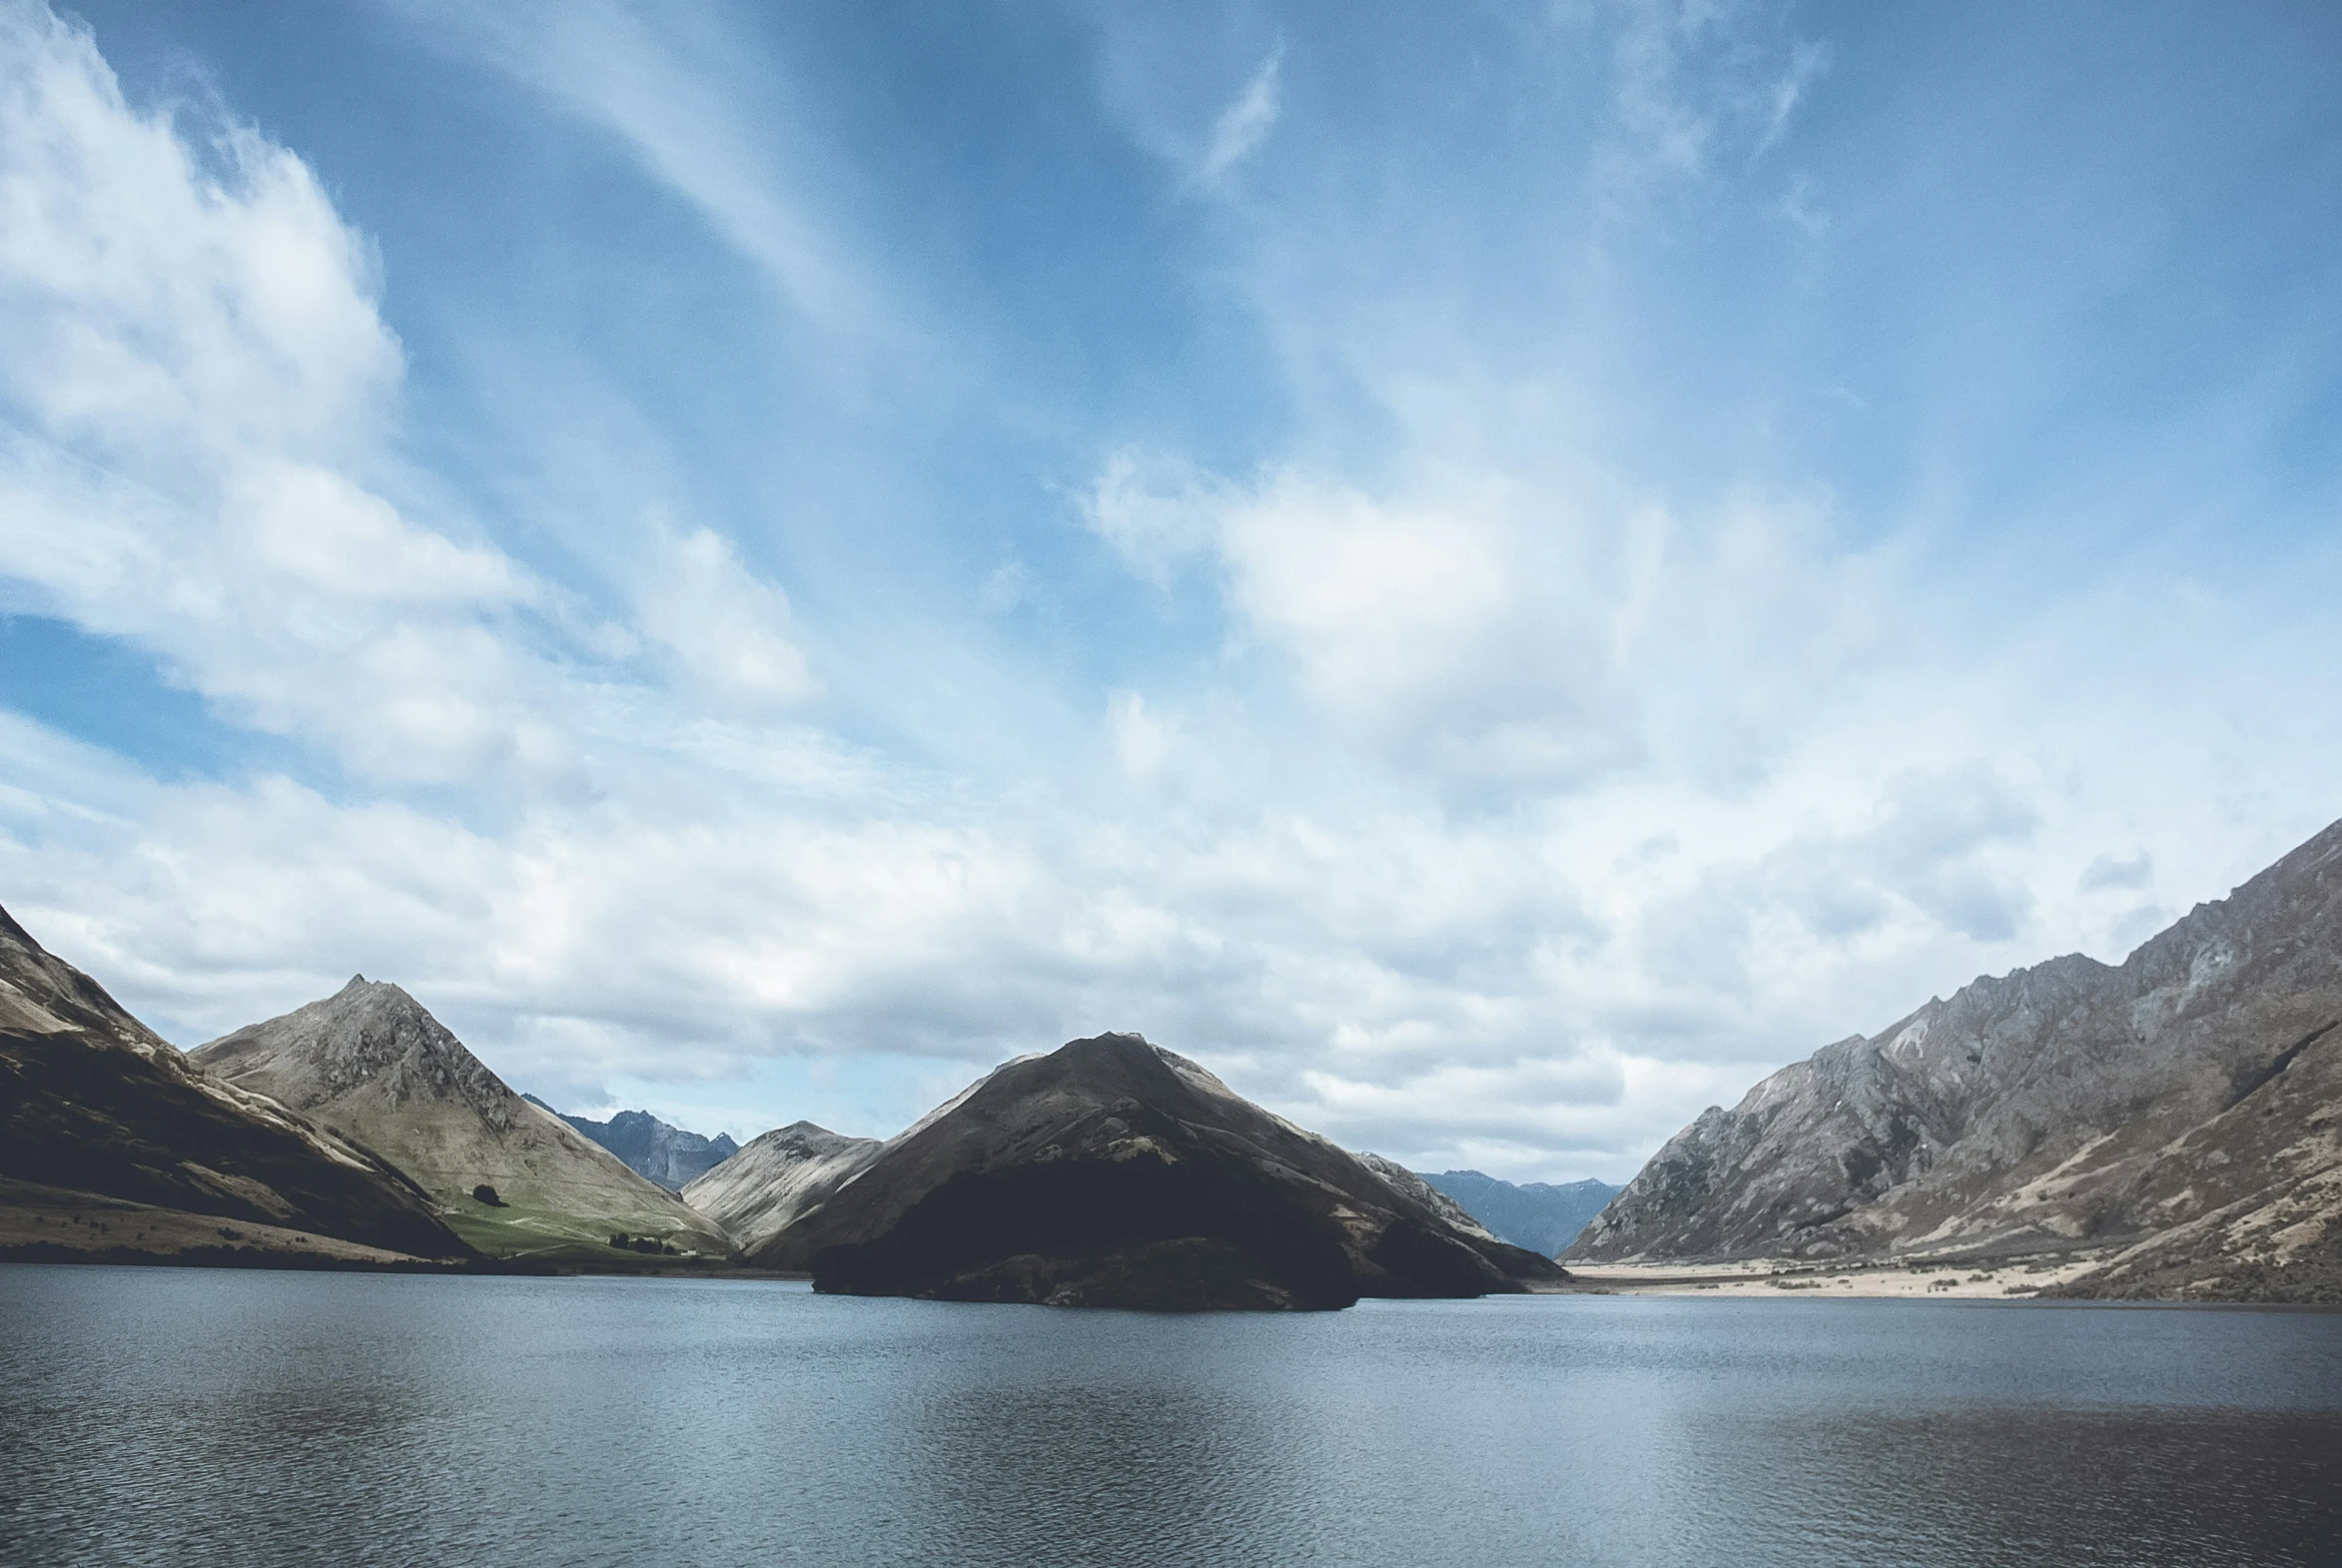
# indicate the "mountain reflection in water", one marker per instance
pixel 172 1416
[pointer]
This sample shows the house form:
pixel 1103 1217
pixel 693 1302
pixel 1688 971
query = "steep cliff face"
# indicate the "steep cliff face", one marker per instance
pixel 1113 1174
pixel 371 1062
pixel 778 1178
pixel 2183 1099
pixel 94 1101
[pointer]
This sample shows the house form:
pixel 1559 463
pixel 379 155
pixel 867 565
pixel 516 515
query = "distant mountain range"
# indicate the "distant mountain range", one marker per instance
pixel 650 1147
pixel 1538 1215
pixel 2175 1119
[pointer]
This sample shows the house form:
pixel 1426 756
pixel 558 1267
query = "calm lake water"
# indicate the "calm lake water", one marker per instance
pixel 178 1417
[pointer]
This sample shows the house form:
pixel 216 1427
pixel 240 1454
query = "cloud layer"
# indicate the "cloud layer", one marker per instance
pixel 1442 766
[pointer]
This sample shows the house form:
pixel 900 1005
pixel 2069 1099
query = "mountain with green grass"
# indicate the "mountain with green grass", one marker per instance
pixel 512 1178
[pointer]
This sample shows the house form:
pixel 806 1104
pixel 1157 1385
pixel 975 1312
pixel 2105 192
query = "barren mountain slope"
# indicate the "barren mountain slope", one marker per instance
pixel 777 1179
pixel 370 1062
pixel 92 1101
pixel 2180 1107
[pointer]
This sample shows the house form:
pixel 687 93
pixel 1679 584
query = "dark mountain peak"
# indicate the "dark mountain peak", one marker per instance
pixel 650 1147
pixel 1112 1173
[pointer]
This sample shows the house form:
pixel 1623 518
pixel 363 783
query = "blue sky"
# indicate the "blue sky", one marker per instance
pixel 1494 572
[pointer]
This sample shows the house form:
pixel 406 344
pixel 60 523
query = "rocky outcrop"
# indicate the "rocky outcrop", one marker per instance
pixel 651 1148
pixel 372 1064
pixel 1539 1215
pixel 91 1102
pixel 778 1178
pixel 2177 1112
pixel 1431 1198
pixel 1112 1172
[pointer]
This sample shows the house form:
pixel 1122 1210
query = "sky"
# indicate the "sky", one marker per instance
pixel 1492 572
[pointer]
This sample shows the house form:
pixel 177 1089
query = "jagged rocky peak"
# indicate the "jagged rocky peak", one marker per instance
pixel 650 1147
pixel 1112 1172
pixel 2072 1104
pixel 368 1031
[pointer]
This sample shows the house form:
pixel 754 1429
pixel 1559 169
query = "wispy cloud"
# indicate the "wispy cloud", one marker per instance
pixel 1245 123
pixel 665 91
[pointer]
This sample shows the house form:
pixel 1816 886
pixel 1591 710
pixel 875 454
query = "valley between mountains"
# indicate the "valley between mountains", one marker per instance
pixel 2164 1129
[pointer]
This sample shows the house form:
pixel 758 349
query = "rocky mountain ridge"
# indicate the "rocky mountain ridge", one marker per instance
pixel 2177 1111
pixel 653 1149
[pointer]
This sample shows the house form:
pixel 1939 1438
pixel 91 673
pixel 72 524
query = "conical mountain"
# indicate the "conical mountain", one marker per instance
pixel 1112 1172
pixel 372 1062
pixel 777 1179
pixel 93 1101
pixel 2176 1116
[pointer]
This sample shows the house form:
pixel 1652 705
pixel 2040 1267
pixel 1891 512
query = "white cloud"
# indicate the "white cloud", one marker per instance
pixel 729 627
pixel 1245 123
pixel 1509 812
pixel 661 86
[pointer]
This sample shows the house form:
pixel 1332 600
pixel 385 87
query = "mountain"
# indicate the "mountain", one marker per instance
pixel 96 1105
pixel 1538 1215
pixel 2176 1114
pixel 650 1147
pixel 512 1178
pixel 1112 1172
pixel 777 1179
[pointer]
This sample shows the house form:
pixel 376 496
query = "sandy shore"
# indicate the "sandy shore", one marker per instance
pixel 1974 1279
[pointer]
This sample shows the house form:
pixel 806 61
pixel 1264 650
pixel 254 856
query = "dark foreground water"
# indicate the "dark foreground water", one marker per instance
pixel 194 1416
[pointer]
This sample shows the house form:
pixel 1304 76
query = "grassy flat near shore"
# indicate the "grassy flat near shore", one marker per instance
pixel 56 1225
pixel 525 1233
pixel 60 1224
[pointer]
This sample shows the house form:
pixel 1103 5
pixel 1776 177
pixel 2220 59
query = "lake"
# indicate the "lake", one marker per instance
pixel 179 1416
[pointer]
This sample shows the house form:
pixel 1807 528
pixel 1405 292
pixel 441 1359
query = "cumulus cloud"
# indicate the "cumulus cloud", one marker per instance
pixel 197 375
